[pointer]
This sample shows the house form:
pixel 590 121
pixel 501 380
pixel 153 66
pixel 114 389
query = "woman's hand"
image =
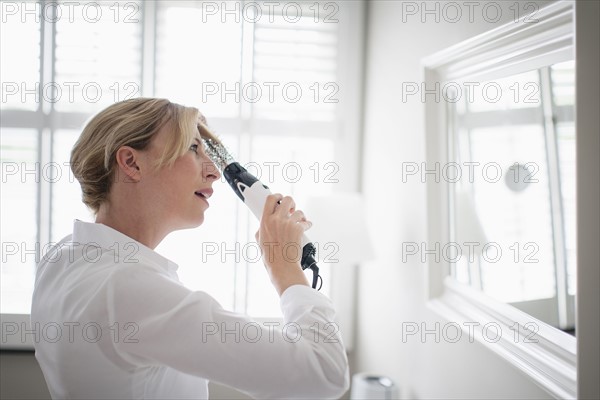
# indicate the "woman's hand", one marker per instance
pixel 279 236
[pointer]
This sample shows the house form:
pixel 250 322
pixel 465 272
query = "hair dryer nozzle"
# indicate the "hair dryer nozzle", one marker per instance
pixel 217 153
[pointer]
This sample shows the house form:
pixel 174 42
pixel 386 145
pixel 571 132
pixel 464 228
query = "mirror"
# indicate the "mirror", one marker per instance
pixel 512 142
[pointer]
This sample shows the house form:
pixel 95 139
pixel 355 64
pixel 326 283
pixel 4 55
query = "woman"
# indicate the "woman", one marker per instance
pixel 128 328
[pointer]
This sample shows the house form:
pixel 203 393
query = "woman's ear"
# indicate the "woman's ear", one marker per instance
pixel 128 162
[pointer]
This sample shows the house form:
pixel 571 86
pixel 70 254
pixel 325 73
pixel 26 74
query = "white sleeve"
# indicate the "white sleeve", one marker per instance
pixel 303 357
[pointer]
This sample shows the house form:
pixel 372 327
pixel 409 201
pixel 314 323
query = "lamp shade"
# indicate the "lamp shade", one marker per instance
pixel 468 225
pixel 339 228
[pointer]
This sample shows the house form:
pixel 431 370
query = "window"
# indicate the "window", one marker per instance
pixel 275 83
pixel 68 74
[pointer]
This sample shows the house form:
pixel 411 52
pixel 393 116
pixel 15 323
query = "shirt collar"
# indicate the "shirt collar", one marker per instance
pixel 105 237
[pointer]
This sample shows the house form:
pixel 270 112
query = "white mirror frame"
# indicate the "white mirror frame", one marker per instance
pixel 548 355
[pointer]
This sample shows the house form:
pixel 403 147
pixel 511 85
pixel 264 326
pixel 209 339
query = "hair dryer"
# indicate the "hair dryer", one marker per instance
pixel 254 194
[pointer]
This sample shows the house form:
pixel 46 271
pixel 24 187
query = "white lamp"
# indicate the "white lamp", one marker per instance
pixel 468 229
pixel 468 224
pixel 341 236
pixel 339 228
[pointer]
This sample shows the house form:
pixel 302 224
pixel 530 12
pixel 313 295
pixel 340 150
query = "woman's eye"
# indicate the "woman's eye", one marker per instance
pixel 194 148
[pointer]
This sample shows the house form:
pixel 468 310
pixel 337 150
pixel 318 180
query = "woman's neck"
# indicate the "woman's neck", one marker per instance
pixel 135 223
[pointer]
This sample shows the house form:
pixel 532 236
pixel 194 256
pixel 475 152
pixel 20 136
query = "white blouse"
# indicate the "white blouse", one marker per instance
pixel 114 321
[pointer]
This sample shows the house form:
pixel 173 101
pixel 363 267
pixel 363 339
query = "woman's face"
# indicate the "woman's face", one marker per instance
pixel 179 194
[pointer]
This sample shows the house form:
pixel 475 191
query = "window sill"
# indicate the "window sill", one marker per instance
pixel 16 332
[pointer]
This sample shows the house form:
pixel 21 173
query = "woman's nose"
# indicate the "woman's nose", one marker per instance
pixel 210 171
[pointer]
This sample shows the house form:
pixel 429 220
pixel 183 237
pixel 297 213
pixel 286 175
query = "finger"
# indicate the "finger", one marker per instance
pixel 271 203
pixel 287 205
pixel 298 216
pixel 305 224
pixel 256 235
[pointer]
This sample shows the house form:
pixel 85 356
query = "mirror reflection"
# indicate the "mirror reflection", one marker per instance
pixel 514 202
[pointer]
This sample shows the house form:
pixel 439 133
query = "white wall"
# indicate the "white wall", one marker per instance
pixel 390 291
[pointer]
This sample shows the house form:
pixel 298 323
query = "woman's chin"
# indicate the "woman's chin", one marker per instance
pixel 190 223
pixel 196 223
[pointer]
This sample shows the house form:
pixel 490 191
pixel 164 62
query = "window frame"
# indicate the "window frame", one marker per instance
pixel 550 361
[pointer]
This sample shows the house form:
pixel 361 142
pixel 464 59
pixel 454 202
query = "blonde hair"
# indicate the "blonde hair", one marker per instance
pixel 130 123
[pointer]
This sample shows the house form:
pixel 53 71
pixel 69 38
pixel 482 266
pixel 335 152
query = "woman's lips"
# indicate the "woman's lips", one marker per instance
pixel 206 193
